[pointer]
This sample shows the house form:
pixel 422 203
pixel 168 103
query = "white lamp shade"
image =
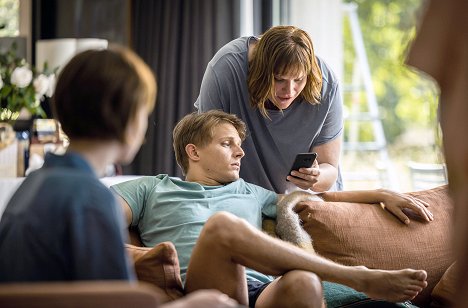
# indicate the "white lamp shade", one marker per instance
pixel 90 43
pixel 57 52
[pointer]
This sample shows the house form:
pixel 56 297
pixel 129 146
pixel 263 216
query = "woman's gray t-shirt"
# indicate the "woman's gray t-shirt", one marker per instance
pixel 271 144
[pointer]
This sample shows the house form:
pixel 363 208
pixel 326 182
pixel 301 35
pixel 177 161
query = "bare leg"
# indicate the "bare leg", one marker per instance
pixel 211 266
pixel 293 289
pixel 203 299
pixel 227 243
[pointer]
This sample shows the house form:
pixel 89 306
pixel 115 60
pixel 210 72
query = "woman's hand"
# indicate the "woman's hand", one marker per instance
pixel 305 178
pixel 395 203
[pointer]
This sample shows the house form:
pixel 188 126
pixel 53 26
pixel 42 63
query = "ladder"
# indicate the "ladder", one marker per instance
pixel 382 172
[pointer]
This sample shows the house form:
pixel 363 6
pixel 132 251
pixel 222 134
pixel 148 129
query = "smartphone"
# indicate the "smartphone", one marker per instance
pixel 303 160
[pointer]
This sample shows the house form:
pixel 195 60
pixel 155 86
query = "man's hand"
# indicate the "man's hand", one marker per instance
pixel 395 203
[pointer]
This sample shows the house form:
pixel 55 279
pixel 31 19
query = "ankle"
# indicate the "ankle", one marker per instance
pixel 359 278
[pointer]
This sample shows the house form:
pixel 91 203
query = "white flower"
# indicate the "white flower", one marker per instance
pixel 21 77
pixel 1 82
pixel 51 88
pixel 41 85
pixel 37 103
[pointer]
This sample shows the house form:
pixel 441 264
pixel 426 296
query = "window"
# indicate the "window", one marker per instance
pixel 378 146
pixel 9 18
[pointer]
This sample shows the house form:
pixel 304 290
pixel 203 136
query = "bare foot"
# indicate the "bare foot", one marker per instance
pixel 393 286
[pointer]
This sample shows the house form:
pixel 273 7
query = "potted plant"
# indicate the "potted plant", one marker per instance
pixel 22 86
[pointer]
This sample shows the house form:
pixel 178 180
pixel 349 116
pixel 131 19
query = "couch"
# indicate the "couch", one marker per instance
pixel 363 234
pixel 349 233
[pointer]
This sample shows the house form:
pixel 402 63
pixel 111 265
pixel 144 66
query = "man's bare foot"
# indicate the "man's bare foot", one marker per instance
pixel 393 286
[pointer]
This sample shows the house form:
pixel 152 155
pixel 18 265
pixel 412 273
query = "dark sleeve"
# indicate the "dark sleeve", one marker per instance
pixel 97 243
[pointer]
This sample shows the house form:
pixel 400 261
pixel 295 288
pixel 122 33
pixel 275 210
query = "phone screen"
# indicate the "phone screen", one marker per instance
pixel 303 160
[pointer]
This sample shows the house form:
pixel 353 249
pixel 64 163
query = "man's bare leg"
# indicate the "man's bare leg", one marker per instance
pixel 211 267
pixel 203 299
pixel 293 289
pixel 227 243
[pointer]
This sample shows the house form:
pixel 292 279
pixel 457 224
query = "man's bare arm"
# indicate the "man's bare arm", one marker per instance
pixel 126 209
pixel 392 201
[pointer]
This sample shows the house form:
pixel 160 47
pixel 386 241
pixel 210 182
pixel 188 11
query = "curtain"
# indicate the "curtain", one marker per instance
pixel 105 19
pixel 177 39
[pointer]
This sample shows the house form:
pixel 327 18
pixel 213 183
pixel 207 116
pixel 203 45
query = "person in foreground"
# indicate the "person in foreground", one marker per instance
pixel 290 100
pixel 214 220
pixel 62 221
pixel 440 49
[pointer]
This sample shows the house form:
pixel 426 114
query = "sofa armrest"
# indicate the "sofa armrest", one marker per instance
pixel 104 294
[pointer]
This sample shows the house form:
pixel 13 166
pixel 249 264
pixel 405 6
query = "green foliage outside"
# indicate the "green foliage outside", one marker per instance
pixel 9 20
pixel 406 99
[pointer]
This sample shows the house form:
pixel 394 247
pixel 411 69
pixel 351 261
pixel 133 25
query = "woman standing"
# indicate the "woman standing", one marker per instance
pixel 290 101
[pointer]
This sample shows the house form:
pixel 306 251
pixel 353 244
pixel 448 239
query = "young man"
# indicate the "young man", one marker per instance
pixel 214 217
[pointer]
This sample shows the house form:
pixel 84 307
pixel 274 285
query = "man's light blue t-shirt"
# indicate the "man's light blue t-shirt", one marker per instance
pixel 169 209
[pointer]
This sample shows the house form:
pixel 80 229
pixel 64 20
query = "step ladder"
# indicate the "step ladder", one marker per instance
pixel 379 171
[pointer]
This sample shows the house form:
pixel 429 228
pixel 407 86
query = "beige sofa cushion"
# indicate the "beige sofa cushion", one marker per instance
pixel 365 234
pixel 160 266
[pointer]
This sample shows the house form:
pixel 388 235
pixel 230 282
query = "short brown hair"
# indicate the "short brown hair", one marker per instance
pixel 99 91
pixel 282 49
pixel 197 128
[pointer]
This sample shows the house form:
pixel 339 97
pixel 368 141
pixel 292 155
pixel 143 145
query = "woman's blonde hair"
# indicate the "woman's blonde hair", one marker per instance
pixel 281 50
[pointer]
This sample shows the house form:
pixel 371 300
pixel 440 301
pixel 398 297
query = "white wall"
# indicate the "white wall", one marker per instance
pixel 25 18
pixel 322 19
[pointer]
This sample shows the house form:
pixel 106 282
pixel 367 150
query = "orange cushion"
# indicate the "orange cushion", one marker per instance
pixel 97 293
pixel 158 265
pixel 365 234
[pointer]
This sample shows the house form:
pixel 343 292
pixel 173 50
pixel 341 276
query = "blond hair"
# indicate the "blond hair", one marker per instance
pixel 281 50
pixel 198 129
